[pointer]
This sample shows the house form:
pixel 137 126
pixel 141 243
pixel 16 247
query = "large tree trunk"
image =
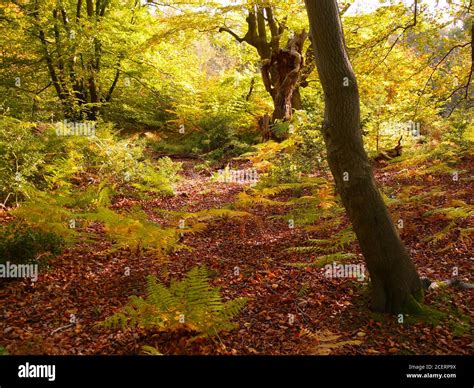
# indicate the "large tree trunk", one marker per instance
pixel 281 75
pixel 396 287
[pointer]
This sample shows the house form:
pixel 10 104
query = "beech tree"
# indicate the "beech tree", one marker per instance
pixel 281 67
pixel 396 286
pixel 74 43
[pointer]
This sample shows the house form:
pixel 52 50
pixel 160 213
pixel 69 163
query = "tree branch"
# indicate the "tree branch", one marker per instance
pixel 435 68
pixel 225 29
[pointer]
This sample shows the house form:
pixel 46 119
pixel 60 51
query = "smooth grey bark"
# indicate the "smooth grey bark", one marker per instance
pixel 396 287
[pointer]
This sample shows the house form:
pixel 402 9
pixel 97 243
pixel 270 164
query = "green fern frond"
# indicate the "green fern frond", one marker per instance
pixel 151 351
pixel 190 304
pixel 134 231
pixel 321 261
pixel 338 241
pixel 303 249
pixel 303 290
pixel 245 200
pixel 452 213
pixel 466 234
pixel 343 238
pixel 315 241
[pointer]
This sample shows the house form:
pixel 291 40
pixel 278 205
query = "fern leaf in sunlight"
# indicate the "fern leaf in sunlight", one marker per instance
pixel 190 304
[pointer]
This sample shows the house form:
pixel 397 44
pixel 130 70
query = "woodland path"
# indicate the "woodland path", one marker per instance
pixel 89 282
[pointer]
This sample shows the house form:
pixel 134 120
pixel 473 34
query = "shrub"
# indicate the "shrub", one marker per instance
pixel 21 244
pixel 22 155
pixel 35 157
pixel 302 153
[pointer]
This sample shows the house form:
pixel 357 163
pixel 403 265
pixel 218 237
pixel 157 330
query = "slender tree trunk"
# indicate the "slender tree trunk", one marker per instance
pixel 396 287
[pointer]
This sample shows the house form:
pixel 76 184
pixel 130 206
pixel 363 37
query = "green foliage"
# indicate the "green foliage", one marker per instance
pixel 453 215
pixel 215 137
pixel 161 178
pixel 305 288
pixel 463 128
pixel 190 304
pixel 22 244
pixel 255 199
pixel 338 241
pixel 44 161
pixel 280 129
pixel 21 159
pixel 303 152
pixel 317 210
pixel 308 151
pixel 342 239
pixel 48 213
pixel 285 170
pixel 62 216
pixel 151 351
pixel 134 231
pixel 307 249
pixel 169 169
pixel 321 261
pixel 121 32
pixel 122 160
pixel 221 138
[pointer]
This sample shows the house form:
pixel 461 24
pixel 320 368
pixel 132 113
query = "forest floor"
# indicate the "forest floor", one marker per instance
pixel 291 309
